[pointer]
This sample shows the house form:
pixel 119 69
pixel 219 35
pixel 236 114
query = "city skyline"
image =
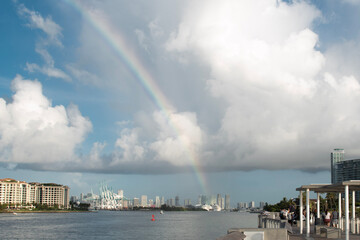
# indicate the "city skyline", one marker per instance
pixel 176 201
pixel 246 98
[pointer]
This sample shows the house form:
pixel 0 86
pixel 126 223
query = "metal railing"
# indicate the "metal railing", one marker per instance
pixel 354 225
pixel 273 221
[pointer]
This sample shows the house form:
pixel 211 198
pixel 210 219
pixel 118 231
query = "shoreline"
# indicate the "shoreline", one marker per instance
pixel 37 211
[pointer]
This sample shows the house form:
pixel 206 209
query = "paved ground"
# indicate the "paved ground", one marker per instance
pixel 297 236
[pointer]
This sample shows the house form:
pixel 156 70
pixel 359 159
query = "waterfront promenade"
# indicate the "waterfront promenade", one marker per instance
pixel 270 222
pixel 297 236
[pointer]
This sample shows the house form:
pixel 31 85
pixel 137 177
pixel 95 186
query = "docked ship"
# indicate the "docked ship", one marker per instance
pixel 216 208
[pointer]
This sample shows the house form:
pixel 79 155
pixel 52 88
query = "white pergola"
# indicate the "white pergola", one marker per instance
pixel 343 187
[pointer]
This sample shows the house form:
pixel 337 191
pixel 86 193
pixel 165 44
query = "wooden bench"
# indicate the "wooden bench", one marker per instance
pixel 330 232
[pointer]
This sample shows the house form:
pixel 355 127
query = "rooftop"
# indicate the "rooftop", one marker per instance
pixel 354 185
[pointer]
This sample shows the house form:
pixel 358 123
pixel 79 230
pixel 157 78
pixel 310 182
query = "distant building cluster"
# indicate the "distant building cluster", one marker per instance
pixel 21 193
pixel 214 202
pixel 107 199
pixel 344 170
pixel 250 205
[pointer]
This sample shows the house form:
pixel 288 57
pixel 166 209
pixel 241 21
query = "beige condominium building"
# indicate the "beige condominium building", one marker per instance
pixel 20 192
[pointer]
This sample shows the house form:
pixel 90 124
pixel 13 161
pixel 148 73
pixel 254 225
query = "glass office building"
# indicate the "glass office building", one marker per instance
pixel 337 156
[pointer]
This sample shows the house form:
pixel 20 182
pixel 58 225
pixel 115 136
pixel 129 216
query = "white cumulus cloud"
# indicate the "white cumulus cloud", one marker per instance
pixel 253 85
pixel 34 131
pixel 179 139
pixel 283 110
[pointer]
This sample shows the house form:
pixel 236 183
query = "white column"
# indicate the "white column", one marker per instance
pixel 307 213
pixel 301 212
pixel 318 206
pixel 347 212
pixel 340 211
pixel 353 213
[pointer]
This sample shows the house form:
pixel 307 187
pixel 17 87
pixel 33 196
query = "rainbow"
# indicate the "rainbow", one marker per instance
pixel 117 42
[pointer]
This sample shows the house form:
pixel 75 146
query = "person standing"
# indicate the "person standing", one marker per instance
pixel 335 218
pixel 323 217
pixel 327 218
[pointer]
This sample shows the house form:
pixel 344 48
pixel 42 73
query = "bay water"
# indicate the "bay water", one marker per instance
pixel 123 225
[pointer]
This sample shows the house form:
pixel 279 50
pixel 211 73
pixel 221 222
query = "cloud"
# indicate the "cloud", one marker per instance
pixel 47 70
pixel 283 110
pixel 36 135
pixel 353 2
pixel 179 139
pixel 343 58
pixel 155 30
pixel 84 76
pixel 176 141
pixel 47 25
pixel 251 90
pixel 142 39
pixel 35 132
pixel 53 36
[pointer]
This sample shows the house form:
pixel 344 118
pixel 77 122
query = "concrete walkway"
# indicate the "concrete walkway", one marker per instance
pixel 297 236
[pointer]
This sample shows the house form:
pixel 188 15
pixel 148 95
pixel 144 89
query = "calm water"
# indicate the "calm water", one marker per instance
pixel 122 225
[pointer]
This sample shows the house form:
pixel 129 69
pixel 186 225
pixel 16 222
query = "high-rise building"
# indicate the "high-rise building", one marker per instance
pixel 125 204
pixel 227 202
pixel 218 200
pixel 73 199
pixel 252 204
pixel 157 202
pixel 347 170
pixel 239 205
pixel 243 205
pixel 261 205
pixel 151 203
pixel 177 201
pixel 136 202
pixel 222 203
pixel 212 200
pixel 344 170
pixel 203 199
pixel 187 202
pixel 162 202
pixel 172 202
pixel 53 194
pixel 336 156
pixel 20 192
pixel 143 200
pixel 121 193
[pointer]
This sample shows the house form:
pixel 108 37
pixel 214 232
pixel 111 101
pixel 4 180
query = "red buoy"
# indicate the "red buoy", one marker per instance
pixel 153 218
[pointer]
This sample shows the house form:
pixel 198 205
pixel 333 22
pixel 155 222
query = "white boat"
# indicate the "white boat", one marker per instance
pixel 206 207
pixel 216 208
pixel 161 212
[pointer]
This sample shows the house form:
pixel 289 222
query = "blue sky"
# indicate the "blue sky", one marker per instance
pixel 178 97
